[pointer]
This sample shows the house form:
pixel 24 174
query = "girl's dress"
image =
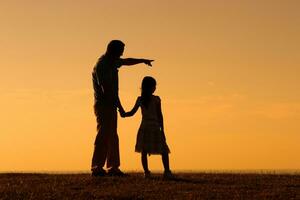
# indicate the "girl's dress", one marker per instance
pixel 150 138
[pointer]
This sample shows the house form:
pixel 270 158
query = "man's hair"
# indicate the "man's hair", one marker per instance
pixel 114 48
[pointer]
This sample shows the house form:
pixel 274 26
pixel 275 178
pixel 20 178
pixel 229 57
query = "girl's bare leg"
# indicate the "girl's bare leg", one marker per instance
pixel 165 160
pixel 145 162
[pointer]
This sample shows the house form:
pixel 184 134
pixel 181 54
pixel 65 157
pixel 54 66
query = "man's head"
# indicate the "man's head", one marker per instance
pixel 115 48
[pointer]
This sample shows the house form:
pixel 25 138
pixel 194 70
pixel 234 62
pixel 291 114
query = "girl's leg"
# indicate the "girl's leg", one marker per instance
pixel 165 160
pixel 145 162
pixel 167 174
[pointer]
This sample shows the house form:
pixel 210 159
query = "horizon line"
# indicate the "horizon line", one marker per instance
pixel 234 171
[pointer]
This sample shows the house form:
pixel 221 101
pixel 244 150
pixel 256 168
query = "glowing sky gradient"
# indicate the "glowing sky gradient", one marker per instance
pixel 227 72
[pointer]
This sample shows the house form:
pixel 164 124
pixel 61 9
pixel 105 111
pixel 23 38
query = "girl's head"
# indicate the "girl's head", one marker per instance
pixel 148 88
pixel 115 49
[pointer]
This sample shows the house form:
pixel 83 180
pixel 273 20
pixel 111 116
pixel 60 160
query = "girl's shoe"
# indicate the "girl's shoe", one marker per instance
pixel 168 175
pixel 147 174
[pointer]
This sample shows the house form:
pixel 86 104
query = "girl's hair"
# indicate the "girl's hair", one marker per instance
pixel 148 87
pixel 115 48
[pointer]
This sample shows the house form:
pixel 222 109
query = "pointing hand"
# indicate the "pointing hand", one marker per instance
pixel 148 62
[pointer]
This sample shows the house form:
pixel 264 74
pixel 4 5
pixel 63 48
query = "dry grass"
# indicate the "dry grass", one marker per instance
pixel 185 186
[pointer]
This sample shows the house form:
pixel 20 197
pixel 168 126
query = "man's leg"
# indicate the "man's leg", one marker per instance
pixel 101 142
pixel 113 154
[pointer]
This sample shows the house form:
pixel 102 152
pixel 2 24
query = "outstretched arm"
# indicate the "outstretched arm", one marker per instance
pixel 134 109
pixel 134 61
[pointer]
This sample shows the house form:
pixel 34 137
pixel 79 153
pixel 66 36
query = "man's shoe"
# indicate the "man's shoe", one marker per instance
pixel 116 172
pixel 98 172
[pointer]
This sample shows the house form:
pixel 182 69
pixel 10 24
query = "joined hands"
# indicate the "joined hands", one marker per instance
pixel 123 114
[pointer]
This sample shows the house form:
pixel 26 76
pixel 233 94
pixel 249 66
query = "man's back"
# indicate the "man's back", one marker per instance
pixel 105 81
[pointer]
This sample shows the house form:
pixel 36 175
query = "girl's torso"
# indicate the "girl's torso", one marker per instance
pixel 150 112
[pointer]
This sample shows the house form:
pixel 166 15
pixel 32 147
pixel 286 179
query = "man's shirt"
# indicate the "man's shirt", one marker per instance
pixel 106 81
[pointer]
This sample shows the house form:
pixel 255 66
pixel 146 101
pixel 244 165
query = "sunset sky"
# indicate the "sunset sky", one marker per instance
pixel 228 74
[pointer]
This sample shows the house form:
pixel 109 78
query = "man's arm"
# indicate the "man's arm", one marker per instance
pixel 134 61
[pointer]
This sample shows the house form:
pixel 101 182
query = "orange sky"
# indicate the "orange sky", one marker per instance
pixel 227 73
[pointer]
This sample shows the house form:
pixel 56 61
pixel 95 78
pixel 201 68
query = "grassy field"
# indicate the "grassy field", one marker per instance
pixel 185 186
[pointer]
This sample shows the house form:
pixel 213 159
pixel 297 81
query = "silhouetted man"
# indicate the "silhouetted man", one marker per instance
pixel 106 87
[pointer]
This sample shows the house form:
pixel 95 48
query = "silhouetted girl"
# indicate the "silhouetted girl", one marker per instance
pixel 151 137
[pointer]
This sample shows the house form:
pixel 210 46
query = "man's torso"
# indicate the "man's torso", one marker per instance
pixel 106 81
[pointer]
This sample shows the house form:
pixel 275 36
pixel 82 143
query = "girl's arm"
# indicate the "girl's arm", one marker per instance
pixel 134 61
pixel 160 116
pixel 161 119
pixel 134 109
pixel 120 107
